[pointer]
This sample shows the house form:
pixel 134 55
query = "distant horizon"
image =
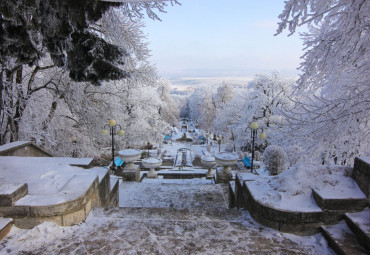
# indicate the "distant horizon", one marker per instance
pixel 229 75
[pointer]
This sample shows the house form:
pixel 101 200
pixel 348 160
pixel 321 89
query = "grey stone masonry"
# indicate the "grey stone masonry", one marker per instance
pixel 342 240
pixel 361 174
pixel 348 204
pixel 10 193
pixel 359 223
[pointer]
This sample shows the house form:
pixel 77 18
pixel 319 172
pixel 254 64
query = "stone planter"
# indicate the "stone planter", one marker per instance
pixel 129 156
pixel 152 163
pixel 226 160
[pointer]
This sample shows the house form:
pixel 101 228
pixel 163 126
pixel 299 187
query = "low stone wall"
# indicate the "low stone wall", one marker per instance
pixel 361 174
pixel 30 210
pixel 113 198
pixel 300 223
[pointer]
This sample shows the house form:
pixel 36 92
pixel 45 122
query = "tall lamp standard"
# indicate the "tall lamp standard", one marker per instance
pixel 219 138
pixel 74 146
pixel 112 125
pixel 254 129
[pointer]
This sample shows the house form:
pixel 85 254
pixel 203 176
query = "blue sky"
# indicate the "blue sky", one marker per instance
pixel 222 38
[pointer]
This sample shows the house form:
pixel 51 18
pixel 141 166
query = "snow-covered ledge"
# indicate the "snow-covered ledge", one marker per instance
pixel 286 202
pixel 56 191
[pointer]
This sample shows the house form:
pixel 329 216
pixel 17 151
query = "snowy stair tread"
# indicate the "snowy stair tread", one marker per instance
pixel 349 200
pixel 10 193
pixel 170 214
pixel 342 240
pixel 5 226
pixel 359 223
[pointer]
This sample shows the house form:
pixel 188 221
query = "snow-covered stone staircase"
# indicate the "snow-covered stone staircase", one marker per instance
pixel 186 231
pixel 351 235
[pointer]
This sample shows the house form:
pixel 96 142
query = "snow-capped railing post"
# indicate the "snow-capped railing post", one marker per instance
pixel 254 130
pixel 112 125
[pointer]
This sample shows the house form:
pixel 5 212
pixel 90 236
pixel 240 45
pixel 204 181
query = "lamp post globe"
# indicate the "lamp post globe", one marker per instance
pixel 112 123
pixel 254 125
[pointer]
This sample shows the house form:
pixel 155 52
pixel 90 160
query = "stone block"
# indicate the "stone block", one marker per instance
pixel 130 175
pixel 30 222
pixel 74 217
pixel 88 207
pixel 361 174
pixel 5 226
pixel 113 200
pixel 10 193
pixel 346 204
pixel 15 211
pixel 104 189
pixel 222 176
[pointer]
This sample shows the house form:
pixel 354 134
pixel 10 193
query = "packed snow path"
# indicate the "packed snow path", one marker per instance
pixel 161 231
pixel 187 193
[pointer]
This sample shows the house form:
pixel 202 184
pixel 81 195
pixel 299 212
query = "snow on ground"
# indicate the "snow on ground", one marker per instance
pixel 292 189
pixel 121 232
pixel 191 193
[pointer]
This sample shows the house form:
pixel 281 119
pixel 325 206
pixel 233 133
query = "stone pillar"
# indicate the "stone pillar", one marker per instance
pixel 223 175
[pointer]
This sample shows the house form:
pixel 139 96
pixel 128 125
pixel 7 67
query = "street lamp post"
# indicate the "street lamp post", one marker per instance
pixel 254 129
pixel 219 138
pixel 74 147
pixel 112 125
pixel 148 149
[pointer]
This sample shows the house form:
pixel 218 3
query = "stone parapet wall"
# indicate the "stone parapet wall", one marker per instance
pixel 361 174
pixel 30 210
pixel 296 222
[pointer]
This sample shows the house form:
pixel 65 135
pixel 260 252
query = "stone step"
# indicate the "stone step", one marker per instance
pixel 359 223
pixel 171 214
pixel 10 193
pixel 5 226
pixel 342 240
pixel 341 202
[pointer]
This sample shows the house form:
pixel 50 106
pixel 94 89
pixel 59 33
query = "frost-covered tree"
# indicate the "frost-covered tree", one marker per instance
pixel 31 29
pixel 260 102
pixel 207 111
pixel 223 95
pixel 168 111
pixel 55 108
pixel 332 108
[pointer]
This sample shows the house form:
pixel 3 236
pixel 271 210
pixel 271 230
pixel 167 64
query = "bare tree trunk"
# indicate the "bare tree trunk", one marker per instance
pixel 45 123
pixel 18 106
